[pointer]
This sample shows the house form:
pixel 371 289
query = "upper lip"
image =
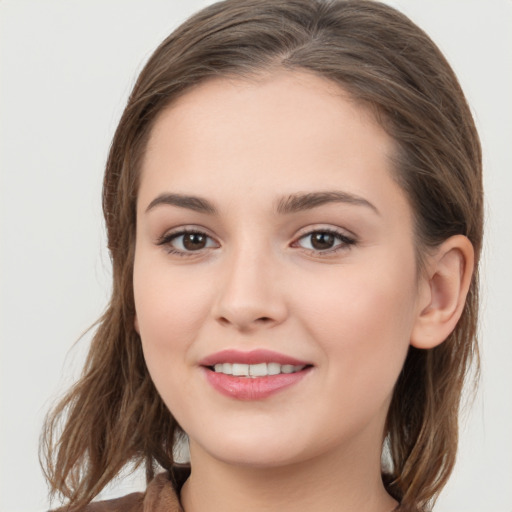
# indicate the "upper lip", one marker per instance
pixel 250 357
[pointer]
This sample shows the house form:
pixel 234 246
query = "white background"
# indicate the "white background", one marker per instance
pixel 66 68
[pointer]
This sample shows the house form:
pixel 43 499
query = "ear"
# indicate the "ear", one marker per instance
pixel 443 291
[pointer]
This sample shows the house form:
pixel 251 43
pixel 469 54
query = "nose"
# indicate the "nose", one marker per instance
pixel 251 294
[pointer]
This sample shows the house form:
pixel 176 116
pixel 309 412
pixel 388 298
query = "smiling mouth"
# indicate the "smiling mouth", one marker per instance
pixel 256 370
pixel 253 375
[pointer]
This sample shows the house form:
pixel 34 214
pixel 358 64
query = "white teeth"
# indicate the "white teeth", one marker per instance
pixel 256 370
pixel 274 368
pixel 241 370
pixel 226 368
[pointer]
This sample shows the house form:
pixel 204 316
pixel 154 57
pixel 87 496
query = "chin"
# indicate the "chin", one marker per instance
pixel 270 446
pixel 255 457
pixel 251 447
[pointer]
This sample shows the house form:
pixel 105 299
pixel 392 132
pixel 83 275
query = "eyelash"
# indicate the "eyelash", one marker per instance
pixel 344 242
pixel 167 239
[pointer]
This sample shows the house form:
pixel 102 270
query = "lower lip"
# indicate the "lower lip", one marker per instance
pixel 258 388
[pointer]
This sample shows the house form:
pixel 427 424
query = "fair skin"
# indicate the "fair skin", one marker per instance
pixel 329 279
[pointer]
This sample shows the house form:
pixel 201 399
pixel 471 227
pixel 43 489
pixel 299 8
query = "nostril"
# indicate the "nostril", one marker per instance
pixel 224 321
pixel 245 319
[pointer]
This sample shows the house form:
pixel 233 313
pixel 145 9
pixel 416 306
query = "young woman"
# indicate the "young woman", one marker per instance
pixel 294 212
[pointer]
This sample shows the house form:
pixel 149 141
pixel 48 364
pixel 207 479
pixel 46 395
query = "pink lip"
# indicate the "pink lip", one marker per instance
pixel 247 388
pixel 251 357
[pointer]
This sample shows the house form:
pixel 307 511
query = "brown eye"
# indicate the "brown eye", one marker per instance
pixel 324 241
pixel 187 241
pixel 194 241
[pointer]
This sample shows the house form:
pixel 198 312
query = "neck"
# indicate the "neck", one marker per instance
pixel 331 482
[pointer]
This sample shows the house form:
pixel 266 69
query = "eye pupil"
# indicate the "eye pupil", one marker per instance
pixel 321 240
pixel 194 241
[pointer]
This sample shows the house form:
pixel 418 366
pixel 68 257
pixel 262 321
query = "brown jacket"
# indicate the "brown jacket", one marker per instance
pixel 161 496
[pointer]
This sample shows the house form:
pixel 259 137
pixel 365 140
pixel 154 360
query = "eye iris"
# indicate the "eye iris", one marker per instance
pixel 194 241
pixel 322 240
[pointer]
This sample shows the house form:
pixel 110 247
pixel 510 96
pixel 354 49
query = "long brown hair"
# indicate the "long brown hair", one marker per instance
pixel 113 415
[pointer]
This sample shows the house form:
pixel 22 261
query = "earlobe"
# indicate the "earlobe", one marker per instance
pixel 446 285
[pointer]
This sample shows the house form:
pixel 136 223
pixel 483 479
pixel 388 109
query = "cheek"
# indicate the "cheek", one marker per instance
pixel 362 320
pixel 170 311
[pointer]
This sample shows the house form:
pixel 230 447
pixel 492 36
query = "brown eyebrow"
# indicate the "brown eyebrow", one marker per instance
pixel 300 202
pixel 290 204
pixel 183 201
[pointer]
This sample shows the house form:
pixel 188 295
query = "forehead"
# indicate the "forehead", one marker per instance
pixel 290 101
pixel 283 131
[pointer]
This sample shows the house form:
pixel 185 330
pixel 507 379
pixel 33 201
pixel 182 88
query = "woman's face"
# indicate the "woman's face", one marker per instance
pixel 272 238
